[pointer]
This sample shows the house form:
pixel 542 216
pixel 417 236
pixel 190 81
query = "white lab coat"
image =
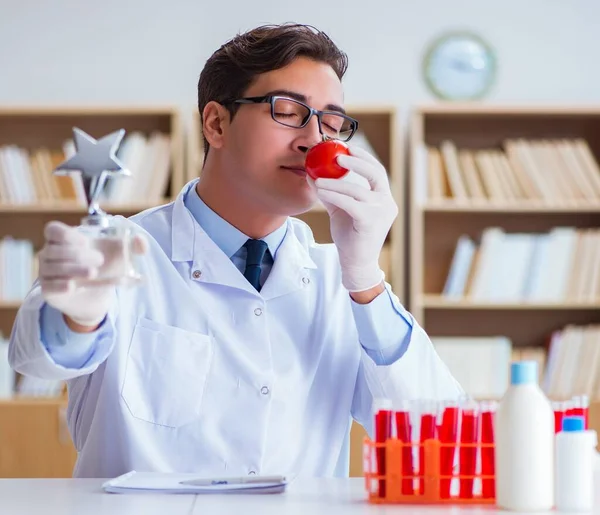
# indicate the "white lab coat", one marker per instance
pixel 195 371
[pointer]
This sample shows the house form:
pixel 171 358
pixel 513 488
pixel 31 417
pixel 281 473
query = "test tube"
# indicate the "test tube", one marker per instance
pixel 468 450
pixel 448 434
pixel 404 434
pixel 383 430
pixel 559 413
pixel 428 428
pixel 488 468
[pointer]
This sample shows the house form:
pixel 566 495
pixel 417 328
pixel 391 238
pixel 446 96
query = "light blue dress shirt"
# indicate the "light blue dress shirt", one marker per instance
pixel 75 350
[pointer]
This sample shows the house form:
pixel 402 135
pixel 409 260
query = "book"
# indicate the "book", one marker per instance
pixel 549 172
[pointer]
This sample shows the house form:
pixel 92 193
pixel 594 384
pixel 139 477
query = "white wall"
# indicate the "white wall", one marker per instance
pixel 151 51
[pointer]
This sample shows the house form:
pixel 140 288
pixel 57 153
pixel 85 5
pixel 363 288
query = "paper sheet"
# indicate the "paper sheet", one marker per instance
pixel 158 482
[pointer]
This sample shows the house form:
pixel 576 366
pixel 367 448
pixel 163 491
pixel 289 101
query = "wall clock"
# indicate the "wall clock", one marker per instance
pixel 459 66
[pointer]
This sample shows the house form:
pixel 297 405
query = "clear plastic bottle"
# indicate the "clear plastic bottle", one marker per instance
pixel 575 455
pixel 524 444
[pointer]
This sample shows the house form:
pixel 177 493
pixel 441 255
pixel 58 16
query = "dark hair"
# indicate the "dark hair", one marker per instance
pixel 233 67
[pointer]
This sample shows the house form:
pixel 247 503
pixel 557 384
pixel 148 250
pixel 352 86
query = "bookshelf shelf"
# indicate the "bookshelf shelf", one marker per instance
pixel 10 305
pixel 441 302
pixel 521 207
pixel 378 124
pixel 72 208
pixel 23 400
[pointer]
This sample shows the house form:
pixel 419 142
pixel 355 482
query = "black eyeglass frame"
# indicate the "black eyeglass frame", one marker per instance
pixel 270 99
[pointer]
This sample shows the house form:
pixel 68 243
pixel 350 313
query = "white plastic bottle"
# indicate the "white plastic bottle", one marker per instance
pixel 575 455
pixel 524 443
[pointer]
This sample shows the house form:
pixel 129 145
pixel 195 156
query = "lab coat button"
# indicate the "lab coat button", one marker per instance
pixel 252 473
pixel 196 274
pixel 305 280
pixel 258 312
pixel 264 390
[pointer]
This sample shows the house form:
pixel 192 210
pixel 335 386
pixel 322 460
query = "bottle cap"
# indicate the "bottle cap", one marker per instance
pixel 523 372
pixel 571 423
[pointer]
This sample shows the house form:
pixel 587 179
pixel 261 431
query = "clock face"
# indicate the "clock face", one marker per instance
pixel 459 66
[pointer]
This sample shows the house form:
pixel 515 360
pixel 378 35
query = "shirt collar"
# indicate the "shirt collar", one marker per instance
pixel 227 237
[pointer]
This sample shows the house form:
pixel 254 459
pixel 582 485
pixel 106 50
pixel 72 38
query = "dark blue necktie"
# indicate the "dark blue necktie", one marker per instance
pixel 256 252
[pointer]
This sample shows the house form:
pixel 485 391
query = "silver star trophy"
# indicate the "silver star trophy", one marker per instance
pixel 96 161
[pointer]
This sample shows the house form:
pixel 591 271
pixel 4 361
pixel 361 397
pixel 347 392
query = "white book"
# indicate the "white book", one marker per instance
pixel 131 153
pixel 483 279
pixel 10 183
pixel 3 274
pixel 7 374
pixel 555 266
pixel 511 265
pixel 26 176
pixel 30 386
pixel 553 362
pixel 571 364
pixel 535 277
pixel 25 267
pixel 492 356
pixel 460 267
pixel 19 174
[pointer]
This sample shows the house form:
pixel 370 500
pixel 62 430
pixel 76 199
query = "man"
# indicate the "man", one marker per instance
pixel 249 348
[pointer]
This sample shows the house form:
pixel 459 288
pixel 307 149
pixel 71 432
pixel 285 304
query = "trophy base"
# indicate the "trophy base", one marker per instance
pixel 118 247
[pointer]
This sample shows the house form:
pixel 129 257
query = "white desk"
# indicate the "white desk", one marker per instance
pixel 304 497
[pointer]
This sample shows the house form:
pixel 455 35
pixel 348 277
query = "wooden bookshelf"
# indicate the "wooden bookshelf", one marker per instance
pixel 379 124
pixel 34 440
pixel 437 223
pixel 550 142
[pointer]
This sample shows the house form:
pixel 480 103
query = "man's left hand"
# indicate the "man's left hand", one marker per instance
pixel 360 218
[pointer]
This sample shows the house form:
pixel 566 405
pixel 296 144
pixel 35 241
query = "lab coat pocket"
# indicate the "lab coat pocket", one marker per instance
pixel 167 369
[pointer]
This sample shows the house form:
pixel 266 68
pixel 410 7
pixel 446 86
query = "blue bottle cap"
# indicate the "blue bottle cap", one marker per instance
pixel 523 372
pixel 572 423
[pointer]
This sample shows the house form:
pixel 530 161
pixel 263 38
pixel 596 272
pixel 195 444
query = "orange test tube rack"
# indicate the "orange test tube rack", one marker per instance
pixel 431 479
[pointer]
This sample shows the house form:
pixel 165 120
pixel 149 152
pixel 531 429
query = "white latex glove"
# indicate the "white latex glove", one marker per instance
pixel 68 255
pixel 360 218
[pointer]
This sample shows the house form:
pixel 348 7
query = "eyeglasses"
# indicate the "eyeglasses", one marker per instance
pixel 296 114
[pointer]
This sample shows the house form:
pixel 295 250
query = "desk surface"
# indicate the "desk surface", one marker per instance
pixel 303 497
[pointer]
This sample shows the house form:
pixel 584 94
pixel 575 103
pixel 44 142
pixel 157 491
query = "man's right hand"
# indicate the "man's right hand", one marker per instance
pixel 68 255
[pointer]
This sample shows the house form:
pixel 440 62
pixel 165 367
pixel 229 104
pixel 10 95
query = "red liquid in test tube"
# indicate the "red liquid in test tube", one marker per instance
pixel 404 434
pixel 468 453
pixel 569 408
pixel 448 434
pixel 428 431
pixel 488 487
pixel 383 429
pixel 559 413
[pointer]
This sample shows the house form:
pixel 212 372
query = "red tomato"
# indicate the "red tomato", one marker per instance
pixel 321 160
